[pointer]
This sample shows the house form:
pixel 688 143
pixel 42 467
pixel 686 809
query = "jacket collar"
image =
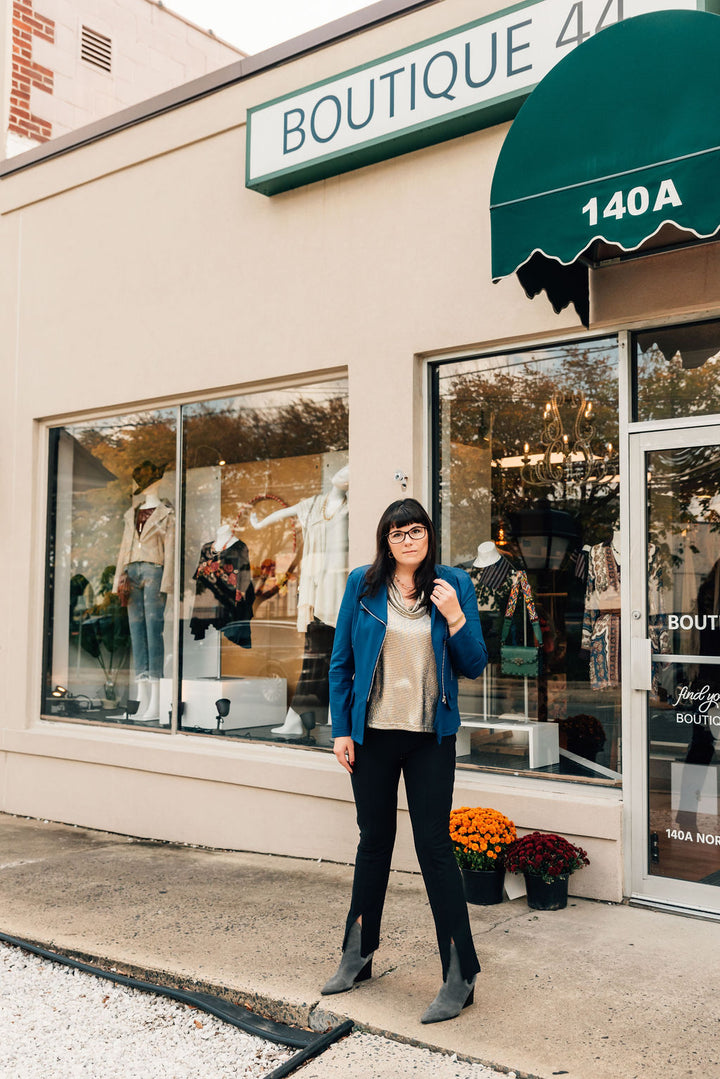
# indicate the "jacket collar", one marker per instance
pixel 378 603
pixel 156 517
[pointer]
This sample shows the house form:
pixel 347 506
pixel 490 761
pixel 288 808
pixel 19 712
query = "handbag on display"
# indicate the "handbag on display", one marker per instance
pixel 520 660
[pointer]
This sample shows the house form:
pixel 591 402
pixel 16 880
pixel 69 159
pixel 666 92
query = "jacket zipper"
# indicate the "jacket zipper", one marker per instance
pixel 384 625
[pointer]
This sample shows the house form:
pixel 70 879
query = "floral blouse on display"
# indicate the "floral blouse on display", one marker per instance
pixel 224 593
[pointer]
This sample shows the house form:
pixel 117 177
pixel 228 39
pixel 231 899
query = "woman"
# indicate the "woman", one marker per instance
pixel 406 628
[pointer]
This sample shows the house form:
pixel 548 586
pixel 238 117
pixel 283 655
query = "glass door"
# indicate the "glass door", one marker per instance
pixel 675 667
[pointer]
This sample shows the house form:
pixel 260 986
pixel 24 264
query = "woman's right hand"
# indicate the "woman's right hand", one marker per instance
pixel 344 750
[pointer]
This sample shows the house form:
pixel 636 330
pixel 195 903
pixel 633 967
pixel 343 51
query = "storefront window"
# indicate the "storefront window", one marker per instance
pixel 527 500
pixel 677 371
pixel 265 562
pixel 261 521
pixel 110 603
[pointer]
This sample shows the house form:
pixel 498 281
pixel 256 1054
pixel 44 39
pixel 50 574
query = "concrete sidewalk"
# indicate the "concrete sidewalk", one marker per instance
pixel 596 991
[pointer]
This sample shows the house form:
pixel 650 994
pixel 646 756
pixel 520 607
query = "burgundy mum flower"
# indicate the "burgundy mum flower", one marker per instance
pixel 544 855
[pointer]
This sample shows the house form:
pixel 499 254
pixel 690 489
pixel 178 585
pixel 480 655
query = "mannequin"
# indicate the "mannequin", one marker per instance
pixel 487 555
pixel 224 538
pixel 493 565
pixel 224 591
pixel 601 623
pixel 151 501
pixel 144 574
pixel 323 574
pixel 494 581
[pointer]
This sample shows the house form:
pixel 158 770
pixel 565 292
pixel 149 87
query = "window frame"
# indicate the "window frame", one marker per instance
pixel 50 440
pixel 434 364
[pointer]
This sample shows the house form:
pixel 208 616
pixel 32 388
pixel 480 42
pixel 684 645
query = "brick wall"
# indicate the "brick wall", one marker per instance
pixel 55 90
pixel 27 73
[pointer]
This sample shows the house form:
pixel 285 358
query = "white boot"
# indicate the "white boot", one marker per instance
pixel 149 694
pixel 292 726
pixel 143 695
pixel 152 709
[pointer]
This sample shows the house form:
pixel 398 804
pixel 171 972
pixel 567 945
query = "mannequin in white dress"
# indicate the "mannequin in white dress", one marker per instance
pixel 323 571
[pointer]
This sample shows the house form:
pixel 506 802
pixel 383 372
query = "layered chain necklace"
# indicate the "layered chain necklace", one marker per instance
pixel 406 589
pixel 329 516
pixel 406 594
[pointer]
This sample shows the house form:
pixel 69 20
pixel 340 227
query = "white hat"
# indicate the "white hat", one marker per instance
pixel 487 554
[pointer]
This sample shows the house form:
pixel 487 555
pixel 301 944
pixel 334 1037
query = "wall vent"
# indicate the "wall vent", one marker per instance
pixel 96 49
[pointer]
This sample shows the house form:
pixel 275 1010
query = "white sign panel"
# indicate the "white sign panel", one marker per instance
pixel 467 79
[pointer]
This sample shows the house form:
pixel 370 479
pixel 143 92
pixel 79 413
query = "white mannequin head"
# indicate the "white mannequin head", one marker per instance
pixel 224 537
pixel 487 555
pixel 341 479
pixel 150 496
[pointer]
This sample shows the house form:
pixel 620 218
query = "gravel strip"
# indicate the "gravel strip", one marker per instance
pixel 367 1056
pixel 59 1023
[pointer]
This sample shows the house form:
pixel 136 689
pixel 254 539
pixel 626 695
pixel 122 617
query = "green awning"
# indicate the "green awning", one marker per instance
pixel 620 138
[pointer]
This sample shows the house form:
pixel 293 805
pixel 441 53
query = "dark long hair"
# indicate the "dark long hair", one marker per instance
pixel 400 514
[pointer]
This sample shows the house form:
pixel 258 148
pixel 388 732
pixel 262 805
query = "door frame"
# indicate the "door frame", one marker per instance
pixel 657 890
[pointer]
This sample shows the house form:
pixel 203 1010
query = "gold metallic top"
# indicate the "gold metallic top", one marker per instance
pixel 404 692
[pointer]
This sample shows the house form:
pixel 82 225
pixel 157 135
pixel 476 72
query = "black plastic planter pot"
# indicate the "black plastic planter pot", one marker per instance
pixel 483 886
pixel 544 896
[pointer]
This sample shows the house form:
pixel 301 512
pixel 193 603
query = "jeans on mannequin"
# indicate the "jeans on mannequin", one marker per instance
pixel 146 618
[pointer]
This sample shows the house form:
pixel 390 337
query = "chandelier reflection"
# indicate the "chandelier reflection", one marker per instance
pixel 214 451
pixel 566 456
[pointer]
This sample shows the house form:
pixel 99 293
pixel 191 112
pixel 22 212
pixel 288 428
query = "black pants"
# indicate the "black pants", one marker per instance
pixel 429 770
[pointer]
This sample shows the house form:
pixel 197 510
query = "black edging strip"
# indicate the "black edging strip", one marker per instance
pixel 321 1043
pixel 309 1043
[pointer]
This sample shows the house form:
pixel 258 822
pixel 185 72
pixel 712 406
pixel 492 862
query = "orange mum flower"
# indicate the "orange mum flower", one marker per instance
pixel 479 836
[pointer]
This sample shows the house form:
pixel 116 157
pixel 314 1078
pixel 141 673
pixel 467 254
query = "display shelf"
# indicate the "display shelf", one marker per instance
pixel 254 702
pixel 543 738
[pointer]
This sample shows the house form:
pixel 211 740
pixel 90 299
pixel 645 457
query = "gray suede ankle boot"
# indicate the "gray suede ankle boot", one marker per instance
pixel 455 993
pixel 353 968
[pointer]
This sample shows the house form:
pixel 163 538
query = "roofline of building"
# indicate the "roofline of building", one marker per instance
pixel 248 67
pixel 161 6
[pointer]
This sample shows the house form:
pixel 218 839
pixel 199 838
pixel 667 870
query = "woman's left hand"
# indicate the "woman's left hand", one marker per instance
pixel 446 600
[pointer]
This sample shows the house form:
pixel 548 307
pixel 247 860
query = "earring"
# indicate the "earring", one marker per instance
pixel 392 556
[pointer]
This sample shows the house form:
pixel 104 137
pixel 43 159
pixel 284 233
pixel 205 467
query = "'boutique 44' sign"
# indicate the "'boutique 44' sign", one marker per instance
pixel 467 79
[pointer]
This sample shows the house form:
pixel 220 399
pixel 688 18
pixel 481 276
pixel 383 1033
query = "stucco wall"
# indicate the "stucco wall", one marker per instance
pixel 138 270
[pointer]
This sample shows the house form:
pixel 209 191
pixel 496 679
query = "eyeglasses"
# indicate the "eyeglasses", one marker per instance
pixel 417 532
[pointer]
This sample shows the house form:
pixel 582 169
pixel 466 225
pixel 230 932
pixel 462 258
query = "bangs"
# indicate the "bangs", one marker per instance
pixel 404 517
pixel 400 514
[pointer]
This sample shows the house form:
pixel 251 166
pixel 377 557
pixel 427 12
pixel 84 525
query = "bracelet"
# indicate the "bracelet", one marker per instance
pixel 459 618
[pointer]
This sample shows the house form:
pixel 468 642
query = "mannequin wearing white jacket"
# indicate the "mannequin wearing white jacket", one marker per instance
pixel 146 564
